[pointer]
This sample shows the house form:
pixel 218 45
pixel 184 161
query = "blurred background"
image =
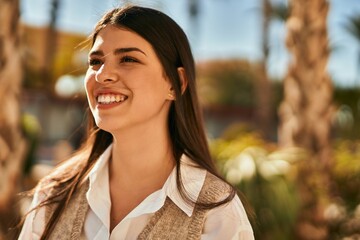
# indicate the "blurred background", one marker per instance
pixel 279 85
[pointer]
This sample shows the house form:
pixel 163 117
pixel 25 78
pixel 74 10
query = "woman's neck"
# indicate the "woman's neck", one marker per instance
pixel 143 152
pixel 141 162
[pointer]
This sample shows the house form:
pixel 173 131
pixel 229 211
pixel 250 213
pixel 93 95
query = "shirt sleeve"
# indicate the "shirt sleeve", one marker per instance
pixel 228 221
pixel 35 221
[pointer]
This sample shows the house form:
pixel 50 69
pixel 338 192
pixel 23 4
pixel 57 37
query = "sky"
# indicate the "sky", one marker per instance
pixel 225 29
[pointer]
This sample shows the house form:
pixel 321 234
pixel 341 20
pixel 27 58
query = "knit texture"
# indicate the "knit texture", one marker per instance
pixel 169 222
pixel 71 222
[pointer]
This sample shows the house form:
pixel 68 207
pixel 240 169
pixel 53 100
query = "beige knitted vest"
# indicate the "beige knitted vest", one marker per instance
pixel 169 222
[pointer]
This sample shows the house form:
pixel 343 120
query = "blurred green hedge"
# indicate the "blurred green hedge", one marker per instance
pixel 266 175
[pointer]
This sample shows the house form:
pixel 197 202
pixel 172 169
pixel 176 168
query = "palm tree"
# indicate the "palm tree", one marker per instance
pixel 307 109
pixel 353 27
pixel 263 88
pixel 51 35
pixel 280 12
pixel 262 84
pixel 12 144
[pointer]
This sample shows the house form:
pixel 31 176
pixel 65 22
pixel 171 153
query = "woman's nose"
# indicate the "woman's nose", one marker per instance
pixel 105 74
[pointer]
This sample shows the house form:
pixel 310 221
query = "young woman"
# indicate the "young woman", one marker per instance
pixel 145 171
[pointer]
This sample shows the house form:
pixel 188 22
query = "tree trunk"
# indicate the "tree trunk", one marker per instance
pixel 51 38
pixel 262 84
pixel 12 143
pixel 307 109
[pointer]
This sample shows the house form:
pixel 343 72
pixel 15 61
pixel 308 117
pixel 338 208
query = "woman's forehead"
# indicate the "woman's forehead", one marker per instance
pixel 114 36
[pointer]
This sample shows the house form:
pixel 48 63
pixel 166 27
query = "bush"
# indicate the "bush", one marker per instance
pixel 265 176
pixel 343 213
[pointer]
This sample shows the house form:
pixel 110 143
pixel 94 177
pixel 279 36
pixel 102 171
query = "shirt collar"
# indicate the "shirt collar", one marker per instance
pixel 192 178
pixel 98 195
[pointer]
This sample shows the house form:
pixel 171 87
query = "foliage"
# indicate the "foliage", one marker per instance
pixel 226 82
pixel 343 214
pixel 347 117
pixel 265 176
pixel 353 27
pixel 31 129
pixel 346 171
pixel 280 11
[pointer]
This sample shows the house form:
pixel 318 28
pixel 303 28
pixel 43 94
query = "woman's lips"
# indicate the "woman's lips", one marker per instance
pixel 110 98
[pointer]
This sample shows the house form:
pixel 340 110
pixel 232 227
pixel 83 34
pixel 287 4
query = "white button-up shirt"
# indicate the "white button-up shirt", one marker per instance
pixel 228 221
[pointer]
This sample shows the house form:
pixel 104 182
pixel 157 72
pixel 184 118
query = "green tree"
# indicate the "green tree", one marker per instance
pixel 226 83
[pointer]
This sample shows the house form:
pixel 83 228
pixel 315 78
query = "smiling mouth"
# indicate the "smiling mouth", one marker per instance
pixel 110 98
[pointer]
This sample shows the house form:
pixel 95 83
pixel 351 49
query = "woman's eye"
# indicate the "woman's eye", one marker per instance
pixel 128 59
pixel 93 62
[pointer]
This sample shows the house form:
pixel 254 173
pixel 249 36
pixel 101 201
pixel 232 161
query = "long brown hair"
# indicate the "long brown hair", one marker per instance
pixel 185 121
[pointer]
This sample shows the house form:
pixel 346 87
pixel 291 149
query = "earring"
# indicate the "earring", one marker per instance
pixel 171 96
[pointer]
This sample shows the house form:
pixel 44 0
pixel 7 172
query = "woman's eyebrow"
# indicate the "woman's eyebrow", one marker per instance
pixel 117 51
pixel 126 50
pixel 96 53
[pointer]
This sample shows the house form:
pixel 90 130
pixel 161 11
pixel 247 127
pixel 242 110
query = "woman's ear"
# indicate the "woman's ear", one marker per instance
pixel 183 79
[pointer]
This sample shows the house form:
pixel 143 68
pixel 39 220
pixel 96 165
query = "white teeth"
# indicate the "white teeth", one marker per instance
pixel 110 98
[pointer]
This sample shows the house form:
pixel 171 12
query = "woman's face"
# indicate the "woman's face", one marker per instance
pixel 125 83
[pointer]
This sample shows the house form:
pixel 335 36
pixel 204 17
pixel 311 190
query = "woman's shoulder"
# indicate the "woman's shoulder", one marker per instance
pixel 228 220
pixel 211 187
pixel 216 188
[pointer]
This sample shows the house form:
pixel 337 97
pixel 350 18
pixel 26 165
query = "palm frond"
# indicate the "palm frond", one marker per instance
pixel 280 12
pixel 353 27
